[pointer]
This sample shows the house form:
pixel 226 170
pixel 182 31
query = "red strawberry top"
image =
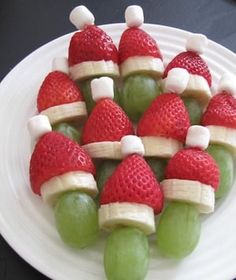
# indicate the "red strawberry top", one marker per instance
pixel 91 44
pixel 57 89
pixel 56 154
pixel 136 42
pixel 107 122
pixel 221 111
pixel 192 62
pixel 133 181
pixel 166 117
pixel 193 164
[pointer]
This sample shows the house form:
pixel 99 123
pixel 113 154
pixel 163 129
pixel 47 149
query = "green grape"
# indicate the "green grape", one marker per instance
pixel 178 230
pixel 194 109
pixel 87 94
pixel 225 162
pixel 138 92
pixel 126 255
pixel 158 167
pixel 68 130
pixel 77 219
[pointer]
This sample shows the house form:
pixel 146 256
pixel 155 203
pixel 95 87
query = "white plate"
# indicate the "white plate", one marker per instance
pixel 28 225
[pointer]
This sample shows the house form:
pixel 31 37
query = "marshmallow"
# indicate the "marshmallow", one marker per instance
pixel 134 16
pixel 38 126
pixel 131 144
pixel 102 88
pixel 227 83
pixel 81 16
pixel 198 137
pixel 60 64
pixel 177 80
pixel 197 43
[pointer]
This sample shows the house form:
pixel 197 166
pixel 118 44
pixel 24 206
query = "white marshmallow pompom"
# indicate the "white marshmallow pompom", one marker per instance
pixel 131 144
pixel 134 16
pixel 102 88
pixel 60 64
pixel 227 83
pixel 197 43
pixel 81 16
pixel 177 80
pixel 198 137
pixel 38 126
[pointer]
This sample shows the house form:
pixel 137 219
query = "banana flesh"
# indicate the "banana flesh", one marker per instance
pixel 104 150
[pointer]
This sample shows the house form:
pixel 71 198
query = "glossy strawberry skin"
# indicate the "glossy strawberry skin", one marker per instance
pixel 107 122
pixel 57 89
pixel 136 42
pixel 166 117
pixel 91 44
pixel 56 154
pixel 221 111
pixel 133 181
pixel 193 63
pixel 193 164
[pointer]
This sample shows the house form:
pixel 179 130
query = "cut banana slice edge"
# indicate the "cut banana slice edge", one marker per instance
pixel 223 135
pixel 155 146
pixel 148 64
pixel 118 214
pixel 104 150
pixel 203 196
pixel 70 181
pixel 66 112
pixel 197 87
pixel 94 68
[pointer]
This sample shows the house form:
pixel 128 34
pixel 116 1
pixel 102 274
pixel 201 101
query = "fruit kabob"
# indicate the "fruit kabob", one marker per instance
pixel 220 119
pixel 191 179
pixel 128 202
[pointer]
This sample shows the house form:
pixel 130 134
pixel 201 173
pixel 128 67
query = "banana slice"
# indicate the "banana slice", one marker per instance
pixel 136 64
pixel 76 180
pixel 203 196
pixel 105 150
pixel 94 68
pixel 197 87
pixel 160 146
pixel 66 112
pixel 116 214
pixel 223 135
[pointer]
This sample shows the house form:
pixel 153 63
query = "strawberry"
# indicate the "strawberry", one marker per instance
pixel 193 164
pixel 166 117
pixel 56 154
pixel 107 122
pixel 192 62
pixel 91 44
pixel 136 42
pixel 57 89
pixel 133 181
pixel 221 111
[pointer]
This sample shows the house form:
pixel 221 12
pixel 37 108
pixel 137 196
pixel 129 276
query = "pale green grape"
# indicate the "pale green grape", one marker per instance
pixel 194 109
pixel 225 162
pixel 126 255
pixel 68 130
pixel 158 167
pixel 178 230
pixel 139 91
pixel 77 219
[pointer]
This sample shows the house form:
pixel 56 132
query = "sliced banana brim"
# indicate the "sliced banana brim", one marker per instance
pixel 104 150
pixel 203 196
pixel 118 214
pixel 197 87
pixel 76 180
pixel 66 112
pixel 94 68
pixel 223 135
pixel 160 146
pixel 136 64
